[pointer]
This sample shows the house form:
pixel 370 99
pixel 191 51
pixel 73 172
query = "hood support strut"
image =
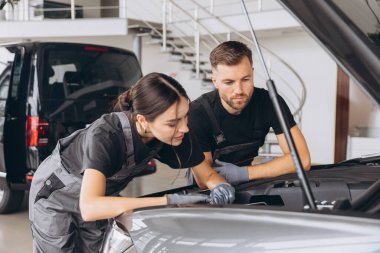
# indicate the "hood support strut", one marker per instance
pixel 284 125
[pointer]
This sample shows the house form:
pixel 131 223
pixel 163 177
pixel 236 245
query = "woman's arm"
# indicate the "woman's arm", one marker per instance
pixel 205 175
pixel 94 205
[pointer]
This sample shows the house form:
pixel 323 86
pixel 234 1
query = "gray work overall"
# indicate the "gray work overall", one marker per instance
pixel 54 213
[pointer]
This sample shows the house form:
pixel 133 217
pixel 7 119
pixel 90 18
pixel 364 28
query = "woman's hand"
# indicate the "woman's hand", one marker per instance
pixel 222 194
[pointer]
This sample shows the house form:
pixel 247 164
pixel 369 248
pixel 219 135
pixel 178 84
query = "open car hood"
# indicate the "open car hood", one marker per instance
pixel 236 229
pixel 350 31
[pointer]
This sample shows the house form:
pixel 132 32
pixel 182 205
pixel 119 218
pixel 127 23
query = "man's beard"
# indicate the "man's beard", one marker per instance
pixel 239 106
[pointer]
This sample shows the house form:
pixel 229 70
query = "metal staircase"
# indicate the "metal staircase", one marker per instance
pixel 191 51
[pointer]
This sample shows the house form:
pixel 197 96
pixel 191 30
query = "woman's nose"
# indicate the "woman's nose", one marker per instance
pixel 183 128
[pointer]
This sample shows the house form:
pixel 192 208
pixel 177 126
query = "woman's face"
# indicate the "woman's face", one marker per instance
pixel 170 126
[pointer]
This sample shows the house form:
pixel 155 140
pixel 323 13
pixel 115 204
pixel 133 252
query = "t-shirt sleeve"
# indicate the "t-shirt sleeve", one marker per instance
pixel 187 154
pixel 200 126
pixel 275 123
pixel 101 151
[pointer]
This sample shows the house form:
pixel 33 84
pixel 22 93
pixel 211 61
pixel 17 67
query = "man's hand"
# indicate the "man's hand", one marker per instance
pixel 222 194
pixel 179 199
pixel 232 173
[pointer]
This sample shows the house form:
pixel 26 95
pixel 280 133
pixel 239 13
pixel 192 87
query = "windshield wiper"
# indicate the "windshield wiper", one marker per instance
pixel 285 128
pixel 365 159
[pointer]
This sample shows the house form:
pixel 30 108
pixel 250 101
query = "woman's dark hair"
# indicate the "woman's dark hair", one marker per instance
pixel 152 95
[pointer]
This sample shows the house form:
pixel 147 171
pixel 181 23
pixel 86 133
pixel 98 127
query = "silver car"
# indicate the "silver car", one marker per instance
pixel 272 215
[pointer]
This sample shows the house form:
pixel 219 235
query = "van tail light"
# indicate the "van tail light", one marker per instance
pixel 96 49
pixel 152 163
pixel 29 176
pixel 37 132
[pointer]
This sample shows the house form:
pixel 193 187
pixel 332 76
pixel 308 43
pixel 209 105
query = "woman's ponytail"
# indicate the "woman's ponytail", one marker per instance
pixel 124 102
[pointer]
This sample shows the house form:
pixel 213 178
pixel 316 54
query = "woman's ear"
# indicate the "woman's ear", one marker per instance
pixel 142 121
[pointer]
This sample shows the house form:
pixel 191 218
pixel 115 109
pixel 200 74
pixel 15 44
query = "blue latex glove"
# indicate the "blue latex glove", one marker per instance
pixel 222 194
pixel 179 199
pixel 232 173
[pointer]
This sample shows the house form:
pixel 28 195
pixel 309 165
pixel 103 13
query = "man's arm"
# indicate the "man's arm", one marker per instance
pixel 205 175
pixel 283 164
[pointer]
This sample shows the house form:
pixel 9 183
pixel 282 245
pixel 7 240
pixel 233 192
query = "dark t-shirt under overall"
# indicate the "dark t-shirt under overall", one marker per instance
pixel 250 126
pixel 101 146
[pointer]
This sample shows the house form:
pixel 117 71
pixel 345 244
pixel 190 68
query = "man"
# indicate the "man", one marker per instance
pixel 232 121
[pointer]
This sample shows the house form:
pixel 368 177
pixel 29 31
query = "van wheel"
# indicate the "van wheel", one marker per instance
pixel 10 201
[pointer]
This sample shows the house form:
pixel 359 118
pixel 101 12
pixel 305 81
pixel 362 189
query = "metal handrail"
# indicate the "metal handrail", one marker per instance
pixel 231 29
pixel 195 20
pixel 301 98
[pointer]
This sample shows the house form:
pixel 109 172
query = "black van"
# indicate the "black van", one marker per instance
pixel 47 91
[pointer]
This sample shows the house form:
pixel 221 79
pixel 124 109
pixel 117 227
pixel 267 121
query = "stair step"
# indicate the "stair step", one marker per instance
pixel 193 62
pixel 139 28
pixel 207 80
pixel 168 45
pixel 176 57
pixel 176 53
pixel 203 71
pixel 183 61
pixel 159 37
pixel 187 67
pixel 143 34
pixel 188 54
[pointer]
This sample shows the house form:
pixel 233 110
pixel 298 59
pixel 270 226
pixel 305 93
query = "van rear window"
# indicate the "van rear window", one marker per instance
pixel 86 74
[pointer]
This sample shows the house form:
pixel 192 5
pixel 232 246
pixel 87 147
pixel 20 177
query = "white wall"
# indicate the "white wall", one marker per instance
pixel 364 124
pixel 318 71
pixel 364 113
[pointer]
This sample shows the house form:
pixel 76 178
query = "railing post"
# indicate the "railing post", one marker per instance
pixel 137 42
pixel 196 44
pixel 196 18
pixel 72 9
pixel 26 10
pixel 122 8
pixel 197 53
pixel 170 13
pixel 259 5
pixel 212 6
pixel 164 39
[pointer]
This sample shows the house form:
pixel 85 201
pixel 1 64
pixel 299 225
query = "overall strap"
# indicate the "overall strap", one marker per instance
pixel 128 137
pixel 216 131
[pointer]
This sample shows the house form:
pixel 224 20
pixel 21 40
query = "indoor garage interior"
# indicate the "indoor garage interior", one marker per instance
pixel 338 118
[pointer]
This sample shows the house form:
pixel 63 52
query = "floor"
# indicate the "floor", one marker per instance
pixel 15 235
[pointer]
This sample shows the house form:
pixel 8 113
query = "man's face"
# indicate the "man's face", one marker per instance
pixel 234 84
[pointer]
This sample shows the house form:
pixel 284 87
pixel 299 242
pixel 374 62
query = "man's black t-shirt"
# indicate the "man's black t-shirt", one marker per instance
pixel 101 146
pixel 249 127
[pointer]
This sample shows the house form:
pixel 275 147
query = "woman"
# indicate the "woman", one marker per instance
pixel 75 190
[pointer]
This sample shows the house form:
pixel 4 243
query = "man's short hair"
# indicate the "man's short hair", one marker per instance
pixel 229 53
